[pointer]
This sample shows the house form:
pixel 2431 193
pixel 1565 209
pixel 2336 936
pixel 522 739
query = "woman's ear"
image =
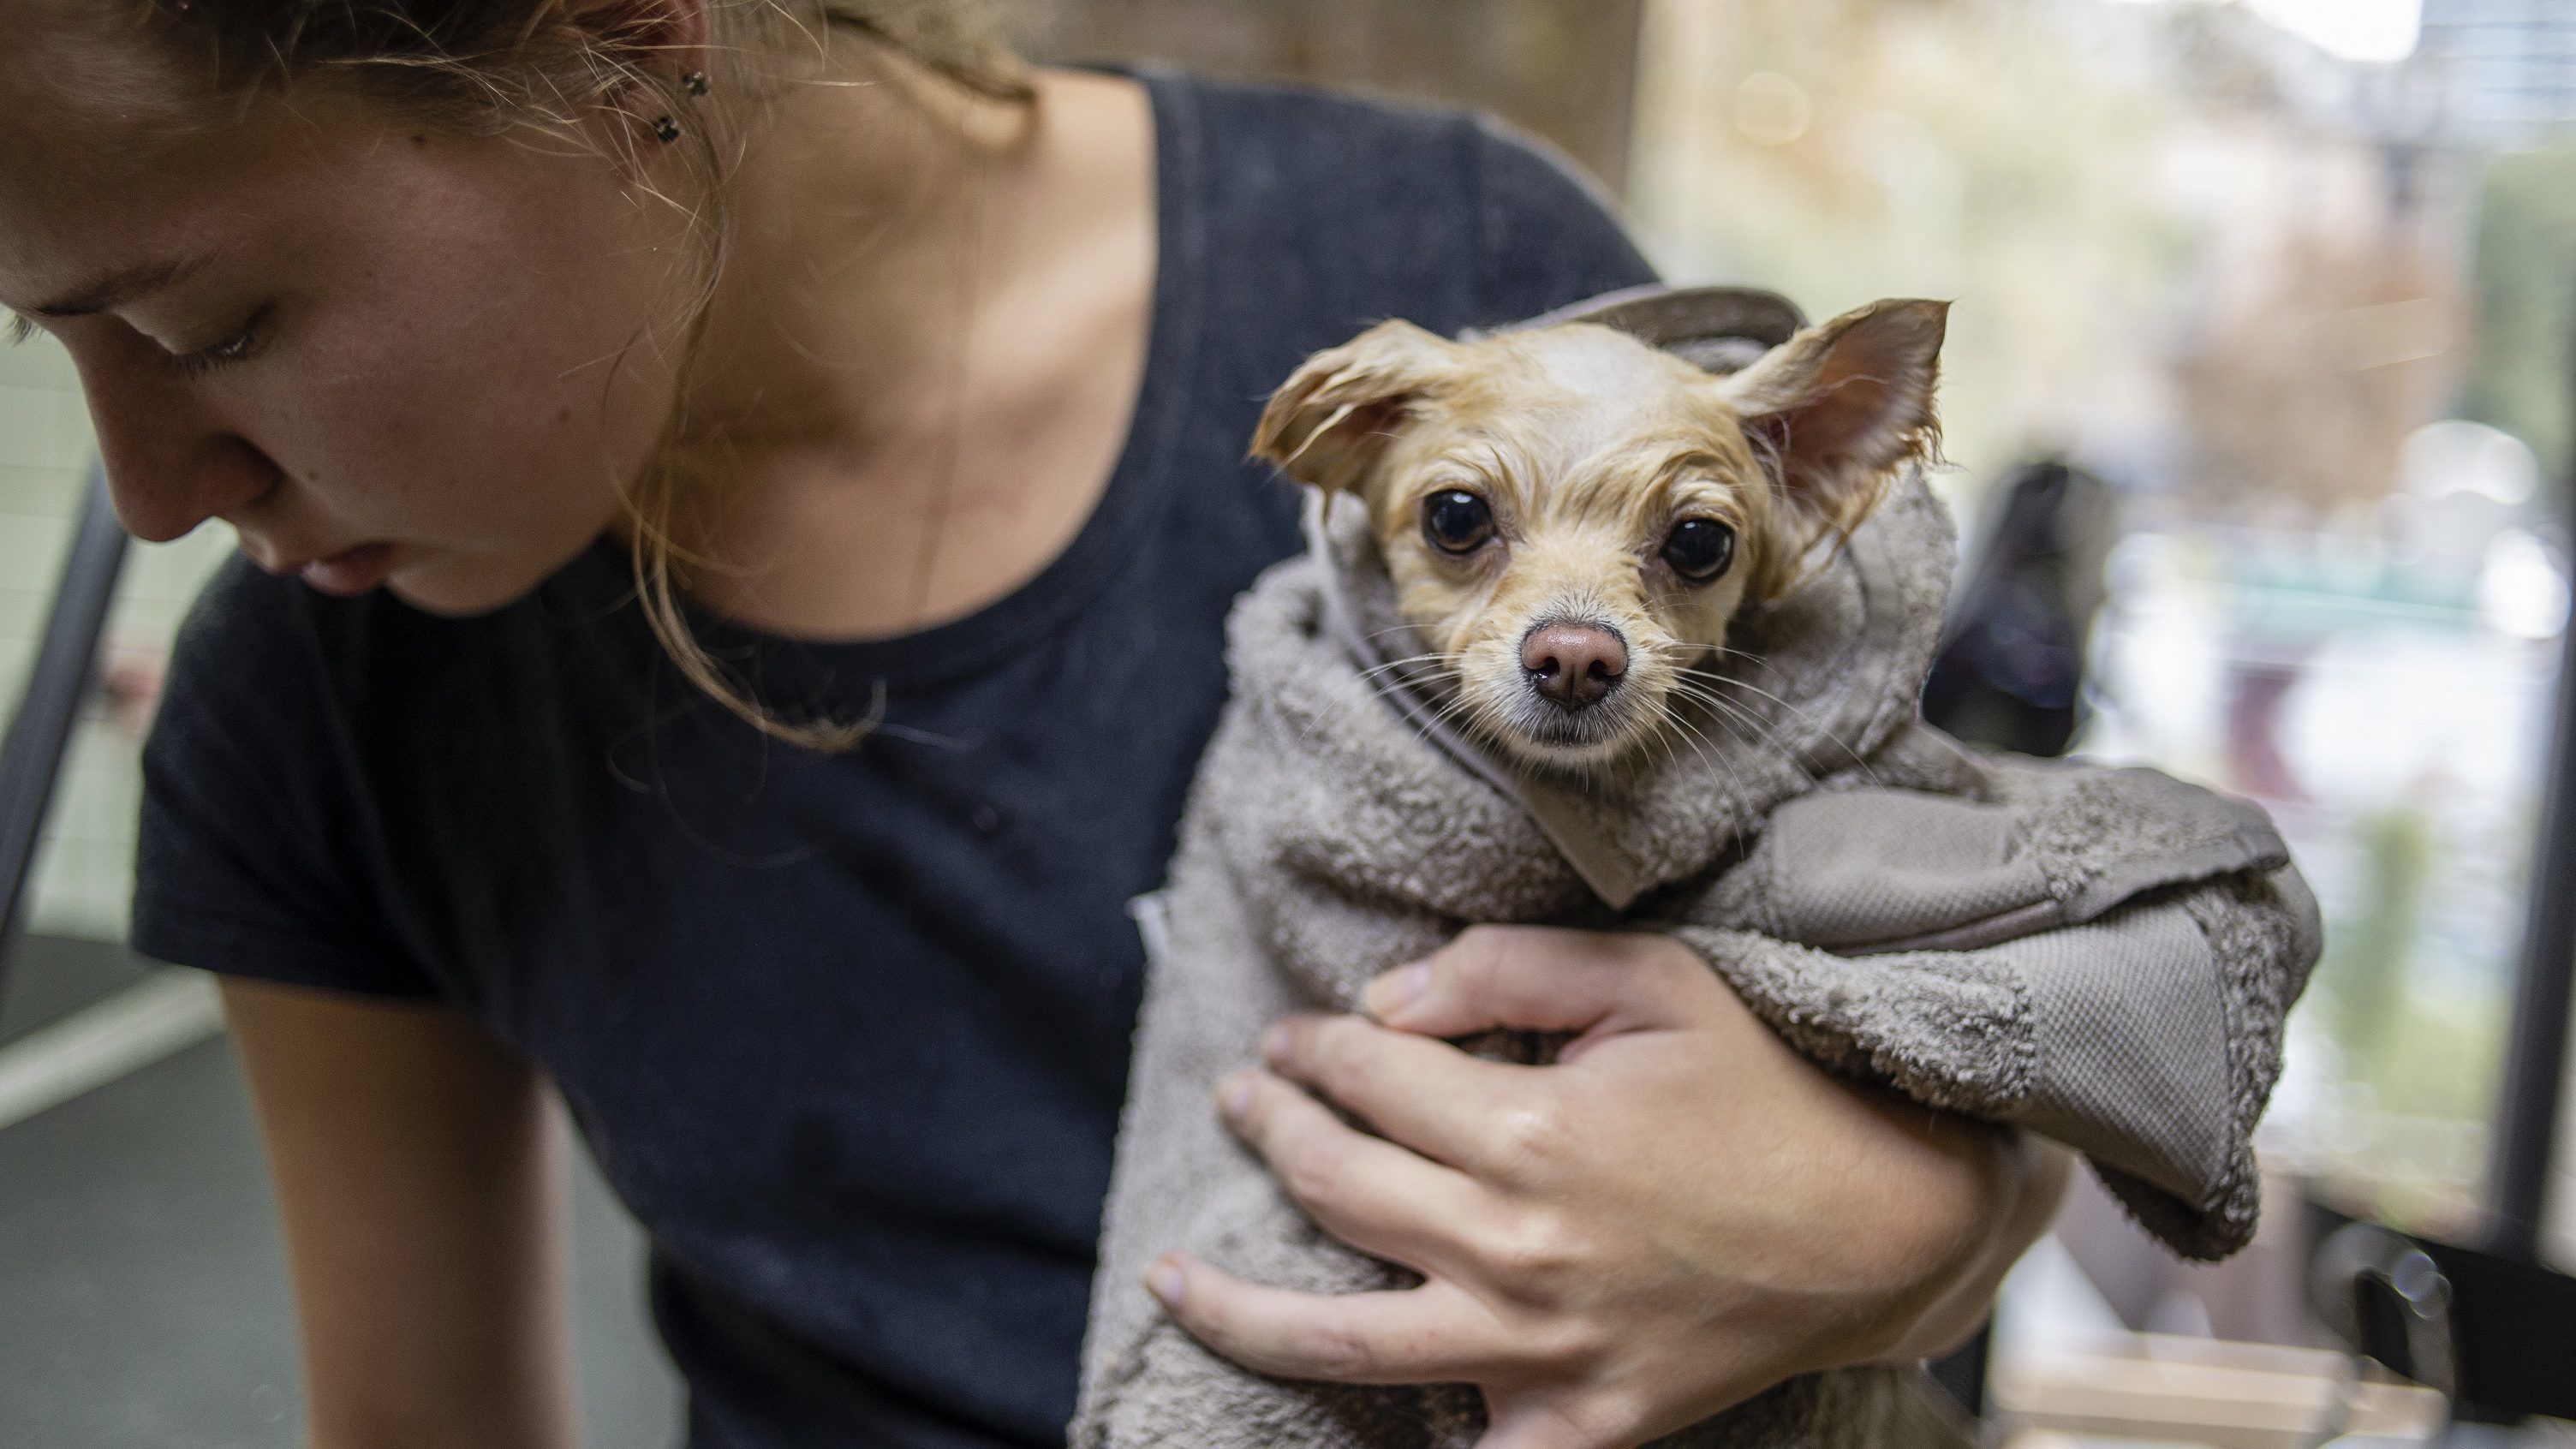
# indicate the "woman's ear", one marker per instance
pixel 1832 411
pixel 1329 423
pixel 667 40
pixel 667 35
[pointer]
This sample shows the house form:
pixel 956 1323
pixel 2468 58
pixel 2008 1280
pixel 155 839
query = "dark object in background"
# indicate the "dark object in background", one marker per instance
pixel 2011 668
pixel 2527 1129
pixel 2505 1326
pixel 40 730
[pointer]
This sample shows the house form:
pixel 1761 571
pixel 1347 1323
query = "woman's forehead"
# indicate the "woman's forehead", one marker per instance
pixel 80 96
pixel 88 58
pixel 112 164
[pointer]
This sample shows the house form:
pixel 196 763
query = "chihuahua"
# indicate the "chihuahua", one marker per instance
pixel 1572 517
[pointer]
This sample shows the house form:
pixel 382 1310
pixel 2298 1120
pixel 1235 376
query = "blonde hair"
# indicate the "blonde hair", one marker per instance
pixel 488 65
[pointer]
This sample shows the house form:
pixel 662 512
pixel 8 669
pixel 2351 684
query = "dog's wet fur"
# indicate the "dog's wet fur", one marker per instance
pixel 1572 517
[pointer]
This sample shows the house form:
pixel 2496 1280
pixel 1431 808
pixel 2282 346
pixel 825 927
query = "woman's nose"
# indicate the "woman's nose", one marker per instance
pixel 171 463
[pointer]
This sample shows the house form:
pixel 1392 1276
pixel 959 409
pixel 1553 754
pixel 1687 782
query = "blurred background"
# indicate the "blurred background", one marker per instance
pixel 2260 403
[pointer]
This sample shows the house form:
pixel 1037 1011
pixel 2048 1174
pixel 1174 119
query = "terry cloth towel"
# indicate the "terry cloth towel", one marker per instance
pixel 2102 956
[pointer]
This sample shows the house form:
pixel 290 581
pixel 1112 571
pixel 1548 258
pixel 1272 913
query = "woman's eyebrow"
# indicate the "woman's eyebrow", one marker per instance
pixel 120 287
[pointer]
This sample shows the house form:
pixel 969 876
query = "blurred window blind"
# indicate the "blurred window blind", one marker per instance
pixel 85 874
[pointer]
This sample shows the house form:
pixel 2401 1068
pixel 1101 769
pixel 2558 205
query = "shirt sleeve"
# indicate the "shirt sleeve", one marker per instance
pixel 1547 235
pixel 249 851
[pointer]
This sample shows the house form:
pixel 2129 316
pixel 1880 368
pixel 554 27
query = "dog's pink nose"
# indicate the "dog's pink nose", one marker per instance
pixel 1574 664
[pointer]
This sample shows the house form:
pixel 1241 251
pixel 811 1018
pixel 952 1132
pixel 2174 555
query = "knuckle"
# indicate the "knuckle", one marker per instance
pixel 1572 1421
pixel 1532 1252
pixel 1482 949
pixel 1289 1040
pixel 1334 1351
pixel 1341 1055
pixel 1575 1347
pixel 1528 1137
pixel 1311 1169
pixel 1209 1311
pixel 1604 1419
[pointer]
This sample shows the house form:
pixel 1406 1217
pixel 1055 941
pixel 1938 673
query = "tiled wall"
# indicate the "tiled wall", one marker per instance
pixel 86 872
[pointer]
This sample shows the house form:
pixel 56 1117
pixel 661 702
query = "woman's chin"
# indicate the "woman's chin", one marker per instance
pixel 455 588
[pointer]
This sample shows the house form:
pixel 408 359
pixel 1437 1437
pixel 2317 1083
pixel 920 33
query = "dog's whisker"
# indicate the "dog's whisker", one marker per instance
pixel 1445 661
pixel 1681 729
pixel 1728 713
pixel 1832 738
pixel 1764 732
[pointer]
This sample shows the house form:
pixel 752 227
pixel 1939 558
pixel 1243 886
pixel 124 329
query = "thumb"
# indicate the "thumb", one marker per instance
pixel 1537 978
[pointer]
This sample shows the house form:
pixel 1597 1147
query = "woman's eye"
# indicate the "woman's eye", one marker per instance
pixel 237 348
pixel 1457 521
pixel 1699 549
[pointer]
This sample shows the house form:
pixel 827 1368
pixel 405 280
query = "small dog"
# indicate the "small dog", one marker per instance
pixel 1571 520
pixel 1571 517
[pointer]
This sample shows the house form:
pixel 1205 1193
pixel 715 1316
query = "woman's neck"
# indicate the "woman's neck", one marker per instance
pixel 919 361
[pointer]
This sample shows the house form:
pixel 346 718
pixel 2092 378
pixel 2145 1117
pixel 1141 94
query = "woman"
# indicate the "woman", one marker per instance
pixel 913 388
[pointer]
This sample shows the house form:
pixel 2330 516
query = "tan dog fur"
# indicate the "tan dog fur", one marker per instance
pixel 1589 448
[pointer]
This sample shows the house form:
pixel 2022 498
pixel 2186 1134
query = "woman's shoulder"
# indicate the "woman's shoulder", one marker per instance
pixel 252 643
pixel 249 833
pixel 269 672
pixel 1380 207
pixel 298 734
pixel 257 641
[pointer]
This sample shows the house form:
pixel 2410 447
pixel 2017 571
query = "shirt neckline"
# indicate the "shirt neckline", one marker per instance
pixel 797 671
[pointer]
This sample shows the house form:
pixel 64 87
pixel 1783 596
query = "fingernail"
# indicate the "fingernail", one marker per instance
pixel 1165 1281
pixel 1397 989
pixel 1234 1094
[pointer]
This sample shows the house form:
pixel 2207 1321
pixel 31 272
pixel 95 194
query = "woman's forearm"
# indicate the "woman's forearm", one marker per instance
pixel 2028 1179
pixel 420 1180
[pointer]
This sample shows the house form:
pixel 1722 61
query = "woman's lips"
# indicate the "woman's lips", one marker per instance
pixel 350 573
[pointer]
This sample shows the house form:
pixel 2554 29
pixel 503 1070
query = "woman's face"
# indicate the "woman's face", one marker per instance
pixel 380 352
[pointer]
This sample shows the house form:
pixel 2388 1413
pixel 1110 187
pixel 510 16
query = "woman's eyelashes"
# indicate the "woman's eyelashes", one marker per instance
pixel 241 346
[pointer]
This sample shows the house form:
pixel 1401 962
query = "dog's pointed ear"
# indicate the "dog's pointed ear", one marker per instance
pixel 1832 411
pixel 1329 422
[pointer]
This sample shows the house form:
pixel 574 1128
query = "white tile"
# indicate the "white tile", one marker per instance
pixel 25 488
pixel 38 362
pixel 31 552
pixel 43 427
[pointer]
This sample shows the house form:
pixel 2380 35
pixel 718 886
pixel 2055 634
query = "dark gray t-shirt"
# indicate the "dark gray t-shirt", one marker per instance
pixel 848 1034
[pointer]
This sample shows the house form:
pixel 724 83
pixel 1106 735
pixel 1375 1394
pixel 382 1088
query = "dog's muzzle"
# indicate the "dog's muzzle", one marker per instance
pixel 1573 664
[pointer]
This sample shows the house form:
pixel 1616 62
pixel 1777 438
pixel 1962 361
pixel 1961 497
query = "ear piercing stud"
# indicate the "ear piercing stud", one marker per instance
pixel 666 129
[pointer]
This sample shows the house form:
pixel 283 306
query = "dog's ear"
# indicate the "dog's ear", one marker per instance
pixel 1328 423
pixel 1832 411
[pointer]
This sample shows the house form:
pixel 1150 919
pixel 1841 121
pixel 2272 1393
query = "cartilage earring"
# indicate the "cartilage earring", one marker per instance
pixel 667 129
pixel 695 83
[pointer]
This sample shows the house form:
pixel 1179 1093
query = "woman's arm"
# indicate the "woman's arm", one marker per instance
pixel 1679 1214
pixel 420 1178
pixel 2031 1182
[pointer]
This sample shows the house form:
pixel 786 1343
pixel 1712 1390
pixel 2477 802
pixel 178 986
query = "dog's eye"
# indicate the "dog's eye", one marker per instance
pixel 1699 549
pixel 1457 521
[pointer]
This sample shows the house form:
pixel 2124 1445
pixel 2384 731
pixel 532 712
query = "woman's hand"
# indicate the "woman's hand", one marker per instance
pixel 1676 1215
